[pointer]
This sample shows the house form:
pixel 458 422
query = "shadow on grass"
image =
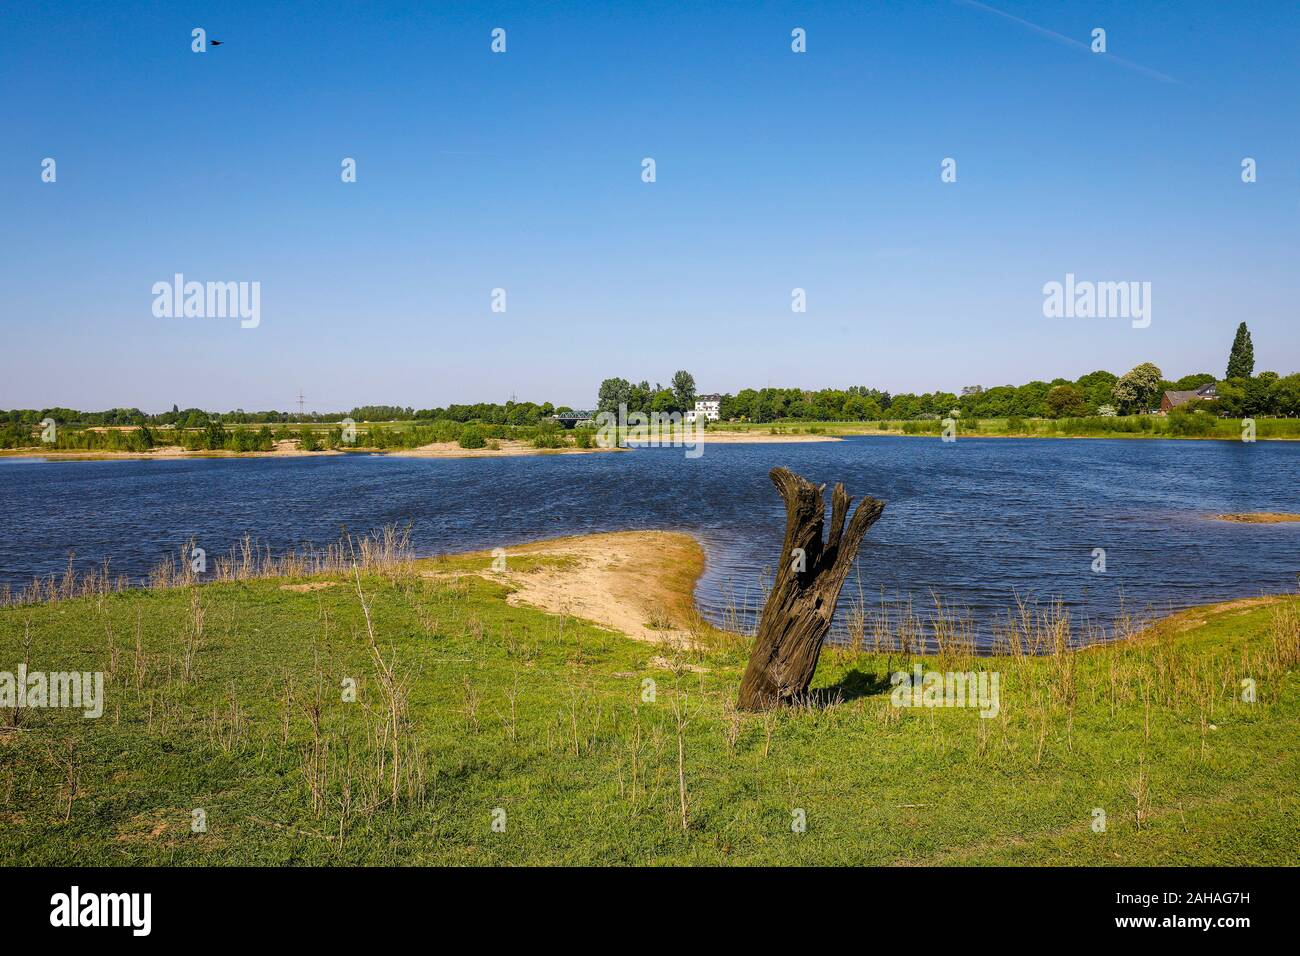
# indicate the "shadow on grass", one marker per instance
pixel 851 686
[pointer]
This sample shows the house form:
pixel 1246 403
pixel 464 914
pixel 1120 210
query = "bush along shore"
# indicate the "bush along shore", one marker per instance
pixel 217 439
pixel 1191 424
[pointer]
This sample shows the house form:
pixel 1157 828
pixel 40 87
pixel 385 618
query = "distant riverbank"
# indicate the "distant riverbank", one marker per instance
pixel 451 439
pixel 503 448
pixel 1132 426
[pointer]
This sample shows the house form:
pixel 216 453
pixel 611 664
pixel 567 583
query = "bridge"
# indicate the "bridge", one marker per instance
pixel 573 419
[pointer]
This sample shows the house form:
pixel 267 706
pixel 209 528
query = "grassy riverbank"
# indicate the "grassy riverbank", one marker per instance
pixel 228 698
pixel 439 439
pixel 456 440
pixel 1129 426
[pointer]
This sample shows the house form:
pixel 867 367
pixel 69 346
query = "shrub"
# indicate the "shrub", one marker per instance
pixel 135 441
pixel 1190 421
pixel 471 436
pixel 16 436
pixel 245 439
pixel 214 436
pixel 241 439
pixel 917 427
pixel 444 429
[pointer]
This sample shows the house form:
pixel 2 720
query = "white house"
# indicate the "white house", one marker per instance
pixel 706 405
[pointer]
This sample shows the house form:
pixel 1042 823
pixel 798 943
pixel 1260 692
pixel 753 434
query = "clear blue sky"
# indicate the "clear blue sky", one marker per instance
pixel 522 171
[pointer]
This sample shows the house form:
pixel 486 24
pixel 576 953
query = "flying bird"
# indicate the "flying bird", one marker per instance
pixel 215 42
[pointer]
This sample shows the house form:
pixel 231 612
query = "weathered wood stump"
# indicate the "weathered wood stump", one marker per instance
pixel 809 576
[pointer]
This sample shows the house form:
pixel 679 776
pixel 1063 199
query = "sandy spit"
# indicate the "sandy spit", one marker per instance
pixel 639 583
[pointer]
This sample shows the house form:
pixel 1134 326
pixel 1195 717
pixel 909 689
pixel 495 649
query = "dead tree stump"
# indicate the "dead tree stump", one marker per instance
pixel 809 576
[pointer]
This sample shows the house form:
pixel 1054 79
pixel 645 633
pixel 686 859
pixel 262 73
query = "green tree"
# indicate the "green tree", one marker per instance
pixel 215 436
pixel 1066 401
pixel 1137 388
pixel 1196 380
pixel 1232 400
pixel 1257 397
pixel 741 405
pixel 684 389
pixel 904 406
pixel 860 409
pixel 638 398
pixel 1284 396
pixel 613 392
pixel 1096 387
pixel 1031 399
pixel 1241 360
pixel 664 402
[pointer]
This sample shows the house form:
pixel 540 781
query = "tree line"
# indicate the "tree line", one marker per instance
pixel 1241 393
pixel 507 413
pixel 641 397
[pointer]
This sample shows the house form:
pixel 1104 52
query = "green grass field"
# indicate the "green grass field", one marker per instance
pixel 228 698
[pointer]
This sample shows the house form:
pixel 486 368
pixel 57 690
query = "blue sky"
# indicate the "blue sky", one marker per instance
pixel 775 170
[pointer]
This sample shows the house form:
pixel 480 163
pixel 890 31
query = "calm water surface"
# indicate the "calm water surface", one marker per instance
pixel 978 521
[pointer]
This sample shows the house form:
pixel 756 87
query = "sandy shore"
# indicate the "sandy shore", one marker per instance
pixel 639 583
pixel 508 448
pixel 511 448
pixel 290 449
pixel 283 449
pixel 642 584
pixel 755 438
pixel 1259 517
